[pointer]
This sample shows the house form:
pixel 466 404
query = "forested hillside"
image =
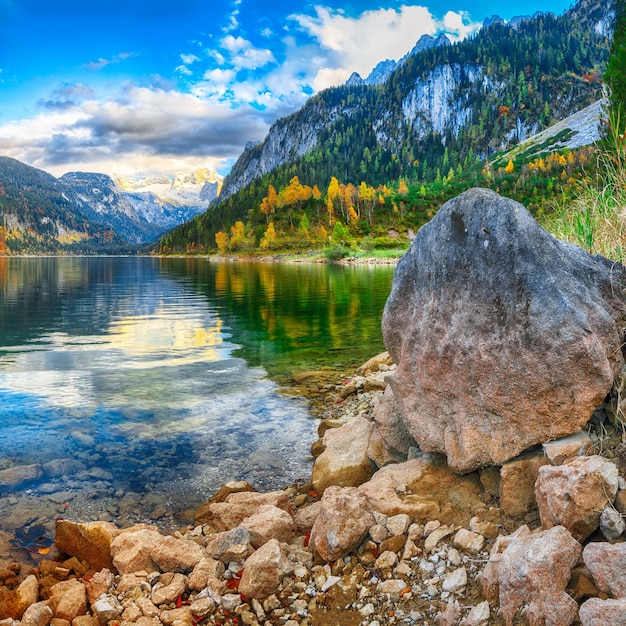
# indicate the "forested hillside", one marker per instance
pixel 38 216
pixel 392 153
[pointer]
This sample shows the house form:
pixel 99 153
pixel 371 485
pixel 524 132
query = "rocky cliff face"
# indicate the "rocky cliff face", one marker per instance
pixel 141 210
pixel 439 90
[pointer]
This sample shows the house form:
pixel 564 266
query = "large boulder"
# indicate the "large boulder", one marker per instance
pixel 504 337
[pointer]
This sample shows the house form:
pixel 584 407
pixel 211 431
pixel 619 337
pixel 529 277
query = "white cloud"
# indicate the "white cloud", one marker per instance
pixel 100 63
pixel 359 43
pixel 188 59
pixel 141 128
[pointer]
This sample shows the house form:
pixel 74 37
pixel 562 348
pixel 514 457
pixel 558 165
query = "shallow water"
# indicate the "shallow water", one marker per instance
pixel 138 386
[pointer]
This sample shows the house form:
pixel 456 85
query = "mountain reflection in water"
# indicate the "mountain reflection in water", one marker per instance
pixel 138 386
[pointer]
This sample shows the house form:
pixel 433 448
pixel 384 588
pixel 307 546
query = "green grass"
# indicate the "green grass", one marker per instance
pixel 596 218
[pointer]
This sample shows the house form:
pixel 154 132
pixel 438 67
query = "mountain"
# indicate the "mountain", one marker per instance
pixel 141 210
pixel 192 189
pixel 38 215
pixel 385 68
pixel 441 111
pixel 88 212
pixel 98 198
pixel 475 97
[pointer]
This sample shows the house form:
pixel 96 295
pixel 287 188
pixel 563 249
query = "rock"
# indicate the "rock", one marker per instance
pixel 398 524
pixel 68 599
pixel 389 441
pixel 607 564
pixel 530 567
pixel 497 327
pixel 575 494
pixel 436 536
pixel 131 550
pixel 468 541
pixel 100 583
pixel 305 516
pixel 344 461
pixel 177 555
pixel 374 364
pixel 478 616
pixel 229 545
pixel 89 542
pixel 552 609
pixel 106 608
pixel 343 522
pixel 169 587
pixel 424 489
pixel 20 474
pixel 14 603
pixel 62 467
pixel 177 617
pixel 517 483
pixel 455 581
pixel 205 569
pixel 559 450
pixel 38 614
pixel 611 523
pixel 597 612
pixel 263 570
pixel 269 522
pixel 230 487
pixel 237 506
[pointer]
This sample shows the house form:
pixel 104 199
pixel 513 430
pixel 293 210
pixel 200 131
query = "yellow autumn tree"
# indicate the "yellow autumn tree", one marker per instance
pixel 268 204
pixel 332 194
pixel 221 239
pixel 510 167
pixel 269 238
pixel 237 236
pixel 403 189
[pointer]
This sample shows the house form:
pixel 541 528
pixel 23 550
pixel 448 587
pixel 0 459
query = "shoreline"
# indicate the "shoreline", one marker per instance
pixel 406 570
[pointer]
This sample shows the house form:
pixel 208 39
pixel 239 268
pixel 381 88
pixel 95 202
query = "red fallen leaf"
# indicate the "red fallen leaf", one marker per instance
pixel 243 598
pixel 405 591
pixel 179 601
pixel 240 573
pixel 197 618
pixel 313 493
pixel 232 583
pixel 375 551
pixel 307 538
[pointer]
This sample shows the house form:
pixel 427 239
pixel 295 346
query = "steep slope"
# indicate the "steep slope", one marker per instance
pixel 38 215
pixel 98 198
pixel 442 104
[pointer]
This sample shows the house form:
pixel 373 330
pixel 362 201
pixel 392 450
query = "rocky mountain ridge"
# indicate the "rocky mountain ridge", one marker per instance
pixel 84 209
pixel 477 96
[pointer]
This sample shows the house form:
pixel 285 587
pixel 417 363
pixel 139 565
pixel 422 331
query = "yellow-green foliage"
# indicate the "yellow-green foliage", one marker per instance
pixel 596 218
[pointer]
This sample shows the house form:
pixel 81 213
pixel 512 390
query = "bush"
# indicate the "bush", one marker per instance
pixel 336 252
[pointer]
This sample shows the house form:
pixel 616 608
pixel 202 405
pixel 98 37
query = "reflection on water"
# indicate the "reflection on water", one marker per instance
pixel 131 389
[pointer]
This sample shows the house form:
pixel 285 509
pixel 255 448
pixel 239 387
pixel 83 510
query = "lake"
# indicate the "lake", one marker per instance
pixel 131 389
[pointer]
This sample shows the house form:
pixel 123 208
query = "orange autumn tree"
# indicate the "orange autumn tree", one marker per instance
pixel 268 204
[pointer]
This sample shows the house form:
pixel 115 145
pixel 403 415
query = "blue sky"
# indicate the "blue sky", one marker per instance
pixel 135 87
